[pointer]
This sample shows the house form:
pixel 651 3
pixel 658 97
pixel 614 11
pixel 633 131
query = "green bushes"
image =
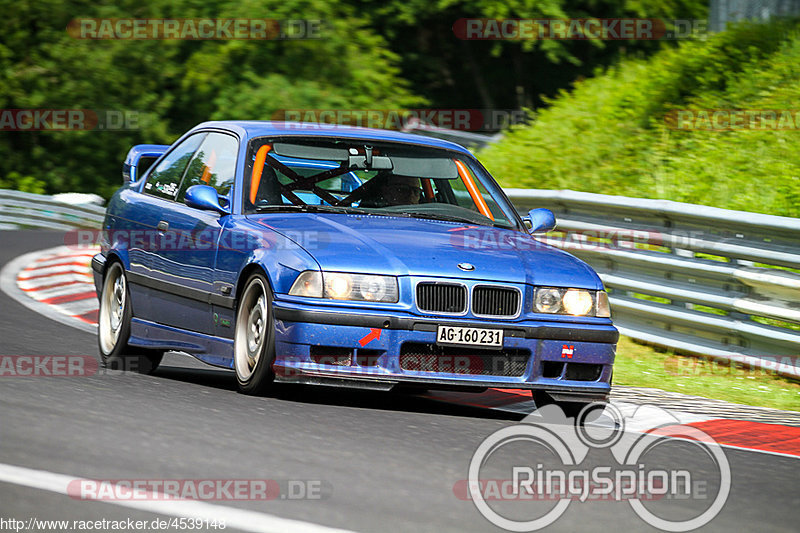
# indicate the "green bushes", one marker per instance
pixel 16 181
pixel 609 134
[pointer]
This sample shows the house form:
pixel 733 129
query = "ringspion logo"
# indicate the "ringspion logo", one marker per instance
pixel 518 472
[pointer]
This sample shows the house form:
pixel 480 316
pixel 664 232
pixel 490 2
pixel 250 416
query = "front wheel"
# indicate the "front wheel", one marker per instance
pixel 114 327
pixel 254 337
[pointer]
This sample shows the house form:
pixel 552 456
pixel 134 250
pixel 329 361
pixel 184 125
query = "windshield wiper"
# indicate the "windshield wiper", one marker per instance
pixel 311 208
pixel 343 209
pixel 283 207
pixel 446 218
pixel 453 218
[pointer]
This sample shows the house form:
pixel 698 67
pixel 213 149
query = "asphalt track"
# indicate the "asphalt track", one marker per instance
pixel 389 461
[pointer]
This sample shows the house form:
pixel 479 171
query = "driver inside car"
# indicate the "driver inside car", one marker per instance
pixel 398 190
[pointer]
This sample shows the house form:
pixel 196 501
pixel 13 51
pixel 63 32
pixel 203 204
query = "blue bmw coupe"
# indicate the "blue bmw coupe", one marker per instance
pixel 345 256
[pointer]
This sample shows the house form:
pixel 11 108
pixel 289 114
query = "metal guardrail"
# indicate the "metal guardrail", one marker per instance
pixel 722 12
pixel 697 279
pixel 22 210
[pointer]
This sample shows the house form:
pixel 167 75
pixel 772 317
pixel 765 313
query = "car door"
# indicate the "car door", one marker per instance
pixel 183 263
pixel 138 218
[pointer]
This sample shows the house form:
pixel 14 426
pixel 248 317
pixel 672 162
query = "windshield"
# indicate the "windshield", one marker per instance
pixel 375 178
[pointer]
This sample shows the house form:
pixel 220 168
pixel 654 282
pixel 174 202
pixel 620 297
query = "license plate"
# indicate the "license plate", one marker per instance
pixel 491 338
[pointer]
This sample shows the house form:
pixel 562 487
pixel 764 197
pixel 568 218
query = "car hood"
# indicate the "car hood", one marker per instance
pixel 421 247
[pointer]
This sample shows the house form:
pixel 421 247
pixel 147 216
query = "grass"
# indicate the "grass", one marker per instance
pixel 638 365
pixel 611 133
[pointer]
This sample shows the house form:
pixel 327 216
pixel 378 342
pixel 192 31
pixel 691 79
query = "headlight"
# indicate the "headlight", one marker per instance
pixel 548 300
pixel 344 286
pixel 576 302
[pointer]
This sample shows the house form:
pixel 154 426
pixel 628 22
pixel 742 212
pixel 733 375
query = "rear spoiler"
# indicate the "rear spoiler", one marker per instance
pixel 139 159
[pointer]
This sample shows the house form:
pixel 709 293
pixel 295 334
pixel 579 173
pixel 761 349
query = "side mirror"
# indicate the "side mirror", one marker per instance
pixel 204 197
pixel 145 162
pixel 541 221
pixel 139 159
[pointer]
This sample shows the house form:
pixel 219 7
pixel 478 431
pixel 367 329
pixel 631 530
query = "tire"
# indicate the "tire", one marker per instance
pixel 114 327
pixel 254 338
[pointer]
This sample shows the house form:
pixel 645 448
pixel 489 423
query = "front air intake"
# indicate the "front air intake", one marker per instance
pixel 495 301
pixel 447 298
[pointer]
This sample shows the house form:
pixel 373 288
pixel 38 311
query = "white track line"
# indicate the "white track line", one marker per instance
pixel 8 284
pixel 241 519
pixel 643 418
pixel 756 450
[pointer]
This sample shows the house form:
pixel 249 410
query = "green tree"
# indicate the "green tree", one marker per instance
pixel 506 74
pixel 172 85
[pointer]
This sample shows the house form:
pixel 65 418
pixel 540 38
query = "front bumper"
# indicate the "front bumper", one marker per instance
pixel 362 348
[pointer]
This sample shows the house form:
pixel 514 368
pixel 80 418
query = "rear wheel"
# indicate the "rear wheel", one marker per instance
pixel 114 327
pixel 254 337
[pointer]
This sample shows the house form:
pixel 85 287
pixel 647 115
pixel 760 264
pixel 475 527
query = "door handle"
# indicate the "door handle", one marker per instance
pixel 163 226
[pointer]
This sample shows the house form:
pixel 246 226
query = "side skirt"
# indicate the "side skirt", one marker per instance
pixel 213 350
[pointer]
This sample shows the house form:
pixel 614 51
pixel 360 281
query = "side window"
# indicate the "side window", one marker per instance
pixel 164 180
pixel 214 163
